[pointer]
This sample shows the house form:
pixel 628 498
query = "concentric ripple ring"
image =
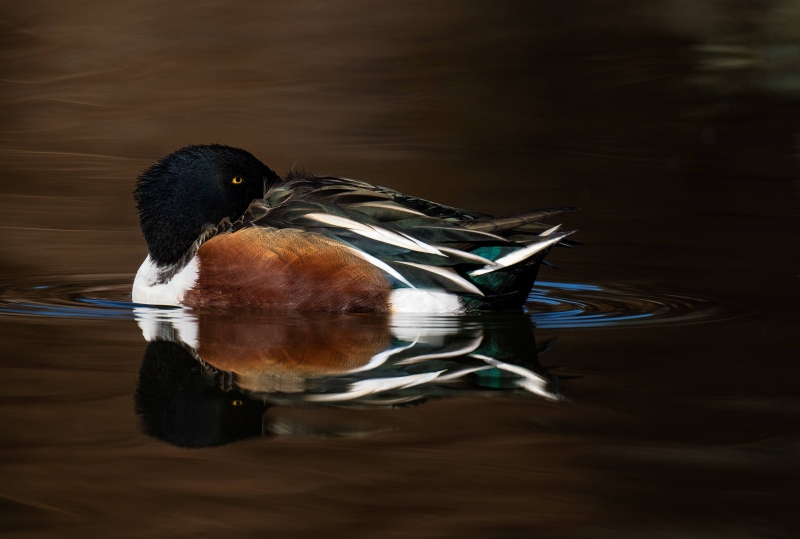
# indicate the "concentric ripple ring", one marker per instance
pixel 551 304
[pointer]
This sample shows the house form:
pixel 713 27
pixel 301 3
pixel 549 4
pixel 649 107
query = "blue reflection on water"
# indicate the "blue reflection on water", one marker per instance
pixel 567 286
pixel 551 304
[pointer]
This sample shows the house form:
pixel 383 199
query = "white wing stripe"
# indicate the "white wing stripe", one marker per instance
pixel 389 206
pixel 518 256
pixel 375 233
pixel 550 230
pixel 450 275
pixel 466 256
pixel 428 248
pixel 380 264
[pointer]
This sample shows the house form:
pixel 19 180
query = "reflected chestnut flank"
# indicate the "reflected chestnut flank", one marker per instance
pixel 207 378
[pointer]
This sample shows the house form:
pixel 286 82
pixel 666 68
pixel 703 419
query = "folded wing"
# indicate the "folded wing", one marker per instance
pixel 490 261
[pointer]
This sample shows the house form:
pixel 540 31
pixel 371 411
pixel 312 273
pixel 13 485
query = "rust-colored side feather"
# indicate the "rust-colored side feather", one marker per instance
pixel 286 269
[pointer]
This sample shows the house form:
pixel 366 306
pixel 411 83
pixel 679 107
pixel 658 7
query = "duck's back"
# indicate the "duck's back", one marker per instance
pixel 332 244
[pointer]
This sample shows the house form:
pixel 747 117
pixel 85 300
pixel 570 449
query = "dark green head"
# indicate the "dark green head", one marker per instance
pixel 194 187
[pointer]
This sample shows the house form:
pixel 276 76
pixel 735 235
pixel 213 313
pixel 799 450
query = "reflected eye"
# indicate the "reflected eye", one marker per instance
pixel 237 402
pixel 237 180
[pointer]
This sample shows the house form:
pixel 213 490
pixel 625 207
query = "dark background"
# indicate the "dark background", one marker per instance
pixel 673 124
pixel 659 119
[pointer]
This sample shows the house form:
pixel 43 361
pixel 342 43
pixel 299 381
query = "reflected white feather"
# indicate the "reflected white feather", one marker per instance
pixel 377 385
pixel 431 329
pixel 464 350
pixel 459 374
pixel 530 381
pixel 379 359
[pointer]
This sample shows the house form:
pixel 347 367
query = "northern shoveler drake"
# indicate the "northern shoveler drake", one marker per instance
pixel 224 230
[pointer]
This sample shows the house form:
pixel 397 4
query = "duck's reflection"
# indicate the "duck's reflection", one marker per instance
pixel 207 378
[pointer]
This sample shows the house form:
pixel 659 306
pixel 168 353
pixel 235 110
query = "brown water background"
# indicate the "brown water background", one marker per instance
pixel 673 124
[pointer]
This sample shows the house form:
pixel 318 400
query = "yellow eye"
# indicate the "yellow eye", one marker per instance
pixel 237 180
pixel 237 402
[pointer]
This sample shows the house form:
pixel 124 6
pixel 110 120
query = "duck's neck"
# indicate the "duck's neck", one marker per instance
pixel 167 270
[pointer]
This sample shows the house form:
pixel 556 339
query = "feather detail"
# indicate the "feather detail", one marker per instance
pixel 376 233
pixel 457 233
pixel 471 346
pixel 385 208
pixel 418 244
pixel 376 385
pixel 450 275
pixel 466 256
pixel 520 254
pixel 550 230
pixel 515 221
pixel 382 265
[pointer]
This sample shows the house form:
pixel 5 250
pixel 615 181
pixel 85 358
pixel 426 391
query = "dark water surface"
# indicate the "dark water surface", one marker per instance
pixel 649 389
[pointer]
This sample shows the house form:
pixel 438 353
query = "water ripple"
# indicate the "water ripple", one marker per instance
pixel 551 304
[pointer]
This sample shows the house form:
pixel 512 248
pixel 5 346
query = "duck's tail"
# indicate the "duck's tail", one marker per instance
pixel 507 281
pixel 516 221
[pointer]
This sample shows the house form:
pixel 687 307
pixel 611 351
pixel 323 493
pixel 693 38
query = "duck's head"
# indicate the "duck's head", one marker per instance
pixel 191 188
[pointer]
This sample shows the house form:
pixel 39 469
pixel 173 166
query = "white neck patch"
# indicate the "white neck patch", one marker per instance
pixel 147 290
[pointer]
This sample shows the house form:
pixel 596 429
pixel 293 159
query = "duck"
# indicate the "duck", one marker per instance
pixel 224 231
